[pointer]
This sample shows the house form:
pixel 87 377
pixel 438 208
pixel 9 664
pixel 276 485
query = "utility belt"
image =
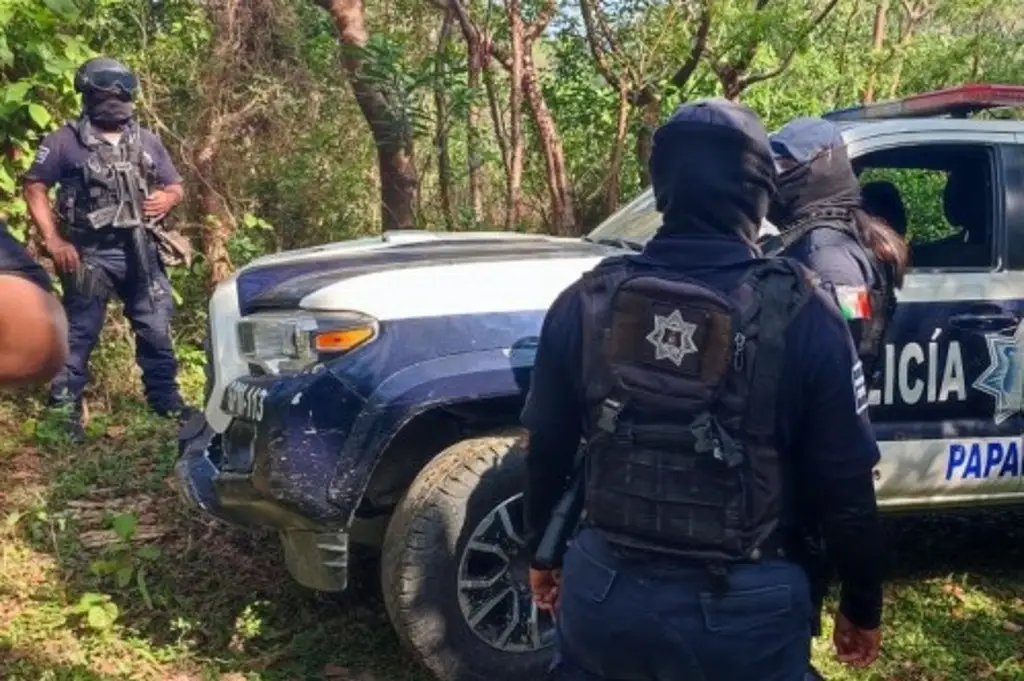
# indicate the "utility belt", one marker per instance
pixel 104 237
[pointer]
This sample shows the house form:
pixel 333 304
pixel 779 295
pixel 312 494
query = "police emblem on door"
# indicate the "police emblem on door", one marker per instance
pixel 1004 377
pixel 672 337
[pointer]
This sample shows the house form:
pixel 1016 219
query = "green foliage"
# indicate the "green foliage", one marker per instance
pixel 41 46
pixel 126 564
pixel 98 611
pixel 921 192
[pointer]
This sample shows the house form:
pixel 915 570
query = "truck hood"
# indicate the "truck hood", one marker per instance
pixel 420 274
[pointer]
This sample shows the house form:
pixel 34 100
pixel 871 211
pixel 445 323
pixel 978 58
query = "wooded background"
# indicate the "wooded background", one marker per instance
pixel 303 122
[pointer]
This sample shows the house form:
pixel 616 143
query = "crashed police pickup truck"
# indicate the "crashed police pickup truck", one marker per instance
pixel 368 392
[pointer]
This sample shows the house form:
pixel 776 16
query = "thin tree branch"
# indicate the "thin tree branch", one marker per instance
pixel 747 81
pixel 597 51
pixel 698 49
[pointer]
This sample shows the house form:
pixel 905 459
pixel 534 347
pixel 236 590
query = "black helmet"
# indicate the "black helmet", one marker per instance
pixel 102 74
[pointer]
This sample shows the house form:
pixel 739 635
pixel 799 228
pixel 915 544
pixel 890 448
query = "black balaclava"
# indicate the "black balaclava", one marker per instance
pixel 823 177
pixel 106 111
pixel 712 171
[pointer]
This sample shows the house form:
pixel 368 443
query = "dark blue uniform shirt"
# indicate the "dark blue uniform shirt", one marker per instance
pixel 836 257
pixel 14 259
pixel 62 153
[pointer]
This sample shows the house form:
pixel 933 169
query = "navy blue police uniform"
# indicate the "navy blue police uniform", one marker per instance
pixel 14 259
pixel 116 263
pixel 651 586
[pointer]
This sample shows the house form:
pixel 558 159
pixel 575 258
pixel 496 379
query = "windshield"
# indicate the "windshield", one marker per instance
pixel 637 222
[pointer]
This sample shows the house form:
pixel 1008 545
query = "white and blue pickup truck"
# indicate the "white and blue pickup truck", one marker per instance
pixel 368 392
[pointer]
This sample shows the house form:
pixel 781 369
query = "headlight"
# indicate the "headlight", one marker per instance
pixel 286 342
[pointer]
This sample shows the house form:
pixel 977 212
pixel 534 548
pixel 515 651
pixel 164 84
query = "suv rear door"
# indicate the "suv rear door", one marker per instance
pixel 946 403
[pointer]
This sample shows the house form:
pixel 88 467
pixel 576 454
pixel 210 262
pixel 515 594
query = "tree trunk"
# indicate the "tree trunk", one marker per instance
pixel 515 170
pixel 217 226
pixel 877 41
pixel 473 143
pixel 444 159
pixel 399 182
pixel 217 223
pixel 650 116
pixel 563 214
pixel 613 189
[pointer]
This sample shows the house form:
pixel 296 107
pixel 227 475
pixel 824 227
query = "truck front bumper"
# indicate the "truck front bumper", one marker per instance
pixel 272 468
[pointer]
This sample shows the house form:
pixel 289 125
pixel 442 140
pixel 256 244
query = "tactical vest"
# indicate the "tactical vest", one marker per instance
pixel 881 295
pixel 681 386
pixel 109 188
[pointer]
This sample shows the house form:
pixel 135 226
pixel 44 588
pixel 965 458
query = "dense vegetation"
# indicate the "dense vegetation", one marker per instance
pixel 300 122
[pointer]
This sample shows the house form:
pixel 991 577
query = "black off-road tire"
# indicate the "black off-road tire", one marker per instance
pixel 423 546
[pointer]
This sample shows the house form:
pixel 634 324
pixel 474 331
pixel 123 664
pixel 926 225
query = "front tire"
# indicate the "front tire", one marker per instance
pixel 454 571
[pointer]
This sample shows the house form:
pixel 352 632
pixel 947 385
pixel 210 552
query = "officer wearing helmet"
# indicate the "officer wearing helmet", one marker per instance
pixel 116 183
pixel 720 404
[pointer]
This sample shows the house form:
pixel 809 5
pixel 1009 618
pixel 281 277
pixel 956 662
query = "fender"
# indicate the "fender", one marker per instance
pixel 449 380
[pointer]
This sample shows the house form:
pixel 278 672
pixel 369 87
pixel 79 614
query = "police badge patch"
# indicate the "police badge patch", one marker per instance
pixel 672 337
pixel 41 155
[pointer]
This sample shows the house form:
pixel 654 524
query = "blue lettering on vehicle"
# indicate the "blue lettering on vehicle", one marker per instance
pixel 983 460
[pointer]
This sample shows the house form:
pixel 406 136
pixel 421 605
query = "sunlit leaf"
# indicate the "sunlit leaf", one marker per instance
pixel 15 92
pixel 40 116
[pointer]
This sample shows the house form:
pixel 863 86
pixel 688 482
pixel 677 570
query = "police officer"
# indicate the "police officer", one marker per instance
pixel 114 178
pixel 33 328
pixel 860 259
pixel 720 402
pixel 818 209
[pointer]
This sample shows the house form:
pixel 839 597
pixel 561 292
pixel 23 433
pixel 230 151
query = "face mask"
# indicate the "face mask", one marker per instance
pixel 110 112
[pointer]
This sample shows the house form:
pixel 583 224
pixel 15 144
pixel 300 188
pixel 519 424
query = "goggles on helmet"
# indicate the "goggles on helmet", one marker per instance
pixel 110 80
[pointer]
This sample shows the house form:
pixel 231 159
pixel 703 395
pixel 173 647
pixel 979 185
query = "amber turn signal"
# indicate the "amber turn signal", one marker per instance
pixel 342 340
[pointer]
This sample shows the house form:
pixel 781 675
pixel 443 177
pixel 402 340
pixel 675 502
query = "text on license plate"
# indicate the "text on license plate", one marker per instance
pixel 242 399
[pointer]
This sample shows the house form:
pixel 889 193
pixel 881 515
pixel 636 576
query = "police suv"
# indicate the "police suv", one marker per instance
pixel 368 392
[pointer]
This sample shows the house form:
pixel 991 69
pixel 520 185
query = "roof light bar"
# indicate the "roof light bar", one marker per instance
pixel 957 101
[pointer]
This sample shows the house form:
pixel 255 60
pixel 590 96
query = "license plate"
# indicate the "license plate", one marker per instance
pixel 244 400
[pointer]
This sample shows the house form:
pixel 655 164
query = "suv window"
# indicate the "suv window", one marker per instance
pixel 940 197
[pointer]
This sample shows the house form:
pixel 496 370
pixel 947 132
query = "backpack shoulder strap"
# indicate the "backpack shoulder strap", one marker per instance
pixel 781 287
pixel 838 219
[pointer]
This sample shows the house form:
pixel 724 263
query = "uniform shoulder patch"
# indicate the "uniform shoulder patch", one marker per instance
pixel 860 388
pixel 854 302
pixel 42 154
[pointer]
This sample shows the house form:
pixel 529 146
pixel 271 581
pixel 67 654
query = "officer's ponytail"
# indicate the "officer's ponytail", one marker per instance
pixel 887 246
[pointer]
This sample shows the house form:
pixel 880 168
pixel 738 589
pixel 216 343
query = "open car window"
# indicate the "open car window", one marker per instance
pixel 940 197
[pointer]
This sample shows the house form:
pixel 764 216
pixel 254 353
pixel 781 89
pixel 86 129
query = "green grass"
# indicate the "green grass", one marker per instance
pixel 215 603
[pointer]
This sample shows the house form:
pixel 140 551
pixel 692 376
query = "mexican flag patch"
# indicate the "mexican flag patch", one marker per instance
pixel 854 302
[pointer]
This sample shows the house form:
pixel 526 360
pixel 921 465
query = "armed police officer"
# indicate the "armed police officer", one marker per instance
pixel 859 259
pixel 33 328
pixel 116 181
pixel 720 403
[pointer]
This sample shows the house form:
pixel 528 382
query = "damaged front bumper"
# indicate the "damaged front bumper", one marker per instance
pixel 272 468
